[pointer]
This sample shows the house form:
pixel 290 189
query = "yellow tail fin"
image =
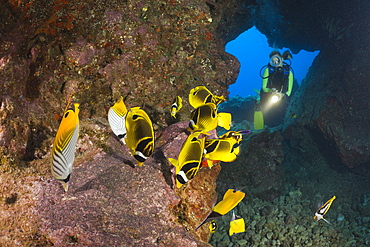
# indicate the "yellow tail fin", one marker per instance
pixel 224 120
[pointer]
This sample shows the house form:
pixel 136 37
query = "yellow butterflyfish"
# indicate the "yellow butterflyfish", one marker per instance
pixel 230 200
pixel 176 106
pixel 117 119
pixel 200 95
pixel 140 134
pixel 205 118
pixel 189 160
pixel 63 152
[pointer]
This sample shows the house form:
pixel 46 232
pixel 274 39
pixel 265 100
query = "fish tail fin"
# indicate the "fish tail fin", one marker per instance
pixel 174 162
pixel 224 120
pixel 326 221
pixel 65 186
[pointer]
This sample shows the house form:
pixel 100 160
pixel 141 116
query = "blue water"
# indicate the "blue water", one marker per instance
pixel 252 50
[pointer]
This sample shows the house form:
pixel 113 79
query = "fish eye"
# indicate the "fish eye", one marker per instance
pixel 194 139
pixel 134 117
pixel 66 115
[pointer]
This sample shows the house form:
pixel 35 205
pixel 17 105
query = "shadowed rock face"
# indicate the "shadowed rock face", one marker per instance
pixel 258 169
pixel 94 51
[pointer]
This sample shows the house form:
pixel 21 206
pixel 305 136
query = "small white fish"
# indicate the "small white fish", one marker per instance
pixel 323 210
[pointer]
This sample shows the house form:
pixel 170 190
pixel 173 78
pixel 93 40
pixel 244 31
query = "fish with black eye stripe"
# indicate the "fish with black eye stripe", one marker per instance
pixel 134 128
pixel 200 95
pixel 189 160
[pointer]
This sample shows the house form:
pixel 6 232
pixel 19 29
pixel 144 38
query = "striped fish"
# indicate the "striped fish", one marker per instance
pixel 323 210
pixel 230 200
pixel 189 160
pixel 176 106
pixel 205 118
pixel 140 134
pixel 225 149
pixel 63 152
pixel 200 95
pixel 117 119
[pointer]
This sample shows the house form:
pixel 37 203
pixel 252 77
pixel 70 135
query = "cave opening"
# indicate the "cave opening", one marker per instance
pixel 252 50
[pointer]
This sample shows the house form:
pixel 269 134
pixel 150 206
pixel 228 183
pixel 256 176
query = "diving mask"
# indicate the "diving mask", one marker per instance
pixel 276 61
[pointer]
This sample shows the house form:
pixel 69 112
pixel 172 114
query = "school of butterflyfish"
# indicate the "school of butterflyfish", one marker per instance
pixel 135 129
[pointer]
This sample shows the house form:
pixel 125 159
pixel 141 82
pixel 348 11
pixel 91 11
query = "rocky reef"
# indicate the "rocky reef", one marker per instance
pixel 92 52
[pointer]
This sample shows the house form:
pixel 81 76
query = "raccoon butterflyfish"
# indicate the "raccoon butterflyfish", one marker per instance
pixel 117 119
pixel 201 95
pixel 205 118
pixel 213 226
pixel 225 150
pixel 140 134
pixel 176 106
pixel 237 225
pixel 190 157
pixel 230 200
pixel 236 135
pixel 323 210
pixel 63 152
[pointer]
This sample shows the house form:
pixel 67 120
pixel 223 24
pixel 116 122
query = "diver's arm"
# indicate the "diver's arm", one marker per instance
pixel 265 80
pixel 290 83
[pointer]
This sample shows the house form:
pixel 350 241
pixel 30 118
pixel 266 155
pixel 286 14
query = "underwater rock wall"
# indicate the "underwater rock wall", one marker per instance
pixel 92 52
pixel 332 105
pixel 332 102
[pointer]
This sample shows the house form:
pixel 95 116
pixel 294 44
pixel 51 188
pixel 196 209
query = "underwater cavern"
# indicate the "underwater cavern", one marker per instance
pixel 54 53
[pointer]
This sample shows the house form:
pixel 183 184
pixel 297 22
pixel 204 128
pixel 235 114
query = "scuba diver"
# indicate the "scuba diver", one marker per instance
pixel 277 85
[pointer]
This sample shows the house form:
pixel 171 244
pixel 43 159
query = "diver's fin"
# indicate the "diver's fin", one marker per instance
pixel 259 122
